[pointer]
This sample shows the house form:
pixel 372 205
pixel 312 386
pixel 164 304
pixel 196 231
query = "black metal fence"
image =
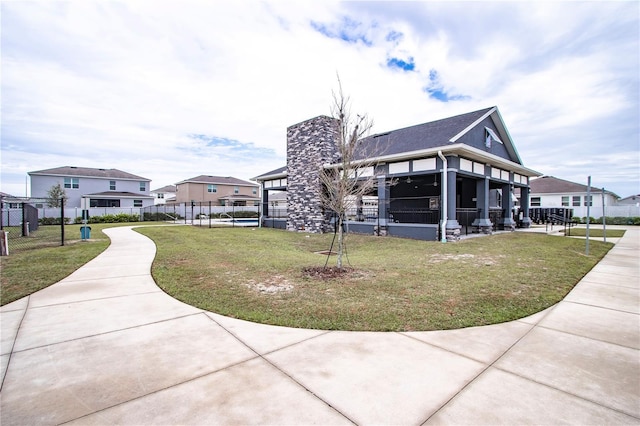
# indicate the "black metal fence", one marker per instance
pixel 197 211
pixel 24 230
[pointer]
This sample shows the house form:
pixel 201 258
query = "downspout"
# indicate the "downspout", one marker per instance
pixel 444 197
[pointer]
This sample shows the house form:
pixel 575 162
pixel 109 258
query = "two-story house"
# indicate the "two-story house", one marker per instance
pixel 220 191
pixel 102 187
pixel 166 194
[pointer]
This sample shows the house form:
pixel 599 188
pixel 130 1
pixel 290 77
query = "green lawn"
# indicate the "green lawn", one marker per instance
pixel 596 233
pixel 42 261
pixel 396 284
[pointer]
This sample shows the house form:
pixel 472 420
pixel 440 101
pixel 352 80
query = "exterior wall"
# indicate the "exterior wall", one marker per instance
pixel 476 138
pixel 310 144
pixel 41 184
pixel 188 191
pixel 167 196
pixel 555 200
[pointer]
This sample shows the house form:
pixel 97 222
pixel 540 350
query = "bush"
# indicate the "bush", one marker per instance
pixel 111 218
pixel 615 220
pixel 52 220
pixel 160 216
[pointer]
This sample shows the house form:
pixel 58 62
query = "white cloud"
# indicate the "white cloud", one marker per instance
pixel 124 84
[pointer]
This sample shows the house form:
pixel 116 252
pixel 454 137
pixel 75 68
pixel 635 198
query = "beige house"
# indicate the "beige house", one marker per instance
pixel 220 191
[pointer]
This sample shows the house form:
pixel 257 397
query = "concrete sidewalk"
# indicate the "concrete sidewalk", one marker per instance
pixel 107 346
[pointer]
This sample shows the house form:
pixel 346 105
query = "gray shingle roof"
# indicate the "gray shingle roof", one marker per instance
pixel 167 188
pixel 220 180
pixel 553 185
pixel 89 172
pixel 422 136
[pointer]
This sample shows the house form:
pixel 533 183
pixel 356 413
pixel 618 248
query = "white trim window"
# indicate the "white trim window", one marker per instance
pixel 71 183
pixel 212 188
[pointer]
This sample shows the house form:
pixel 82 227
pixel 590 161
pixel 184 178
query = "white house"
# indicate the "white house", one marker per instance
pixel 103 187
pixel 164 194
pixel 551 192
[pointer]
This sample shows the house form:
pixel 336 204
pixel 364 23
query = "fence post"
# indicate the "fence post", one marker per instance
pixel 62 220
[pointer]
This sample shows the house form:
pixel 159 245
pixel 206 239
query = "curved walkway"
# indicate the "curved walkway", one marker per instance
pixel 107 346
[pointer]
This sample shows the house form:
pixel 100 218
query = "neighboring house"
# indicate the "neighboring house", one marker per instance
pixel 8 201
pixel 164 194
pixel 473 152
pixel 220 191
pixel 102 187
pixel 631 200
pixel 551 192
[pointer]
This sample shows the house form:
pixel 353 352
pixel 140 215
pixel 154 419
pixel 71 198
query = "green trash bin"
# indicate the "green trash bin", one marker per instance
pixel 85 232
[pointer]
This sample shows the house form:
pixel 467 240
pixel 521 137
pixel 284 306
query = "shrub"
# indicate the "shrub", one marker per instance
pixel 52 220
pixel 111 218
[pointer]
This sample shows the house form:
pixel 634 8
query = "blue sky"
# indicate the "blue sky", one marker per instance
pixel 170 90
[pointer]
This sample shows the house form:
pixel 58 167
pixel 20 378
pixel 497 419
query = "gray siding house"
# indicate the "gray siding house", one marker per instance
pixel 102 187
pixel 433 179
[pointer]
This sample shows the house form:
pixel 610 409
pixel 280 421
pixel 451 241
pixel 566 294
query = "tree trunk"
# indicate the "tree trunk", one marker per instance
pixel 340 242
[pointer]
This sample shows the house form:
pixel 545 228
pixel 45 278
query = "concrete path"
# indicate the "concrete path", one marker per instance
pixel 107 346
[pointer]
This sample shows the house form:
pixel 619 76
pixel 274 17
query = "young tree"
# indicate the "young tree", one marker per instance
pixel 56 196
pixel 346 184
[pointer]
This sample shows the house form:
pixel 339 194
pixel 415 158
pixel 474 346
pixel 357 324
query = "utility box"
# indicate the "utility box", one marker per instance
pixel 85 232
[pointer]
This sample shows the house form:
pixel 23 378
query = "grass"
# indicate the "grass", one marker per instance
pixel 27 271
pixel 596 233
pixel 396 284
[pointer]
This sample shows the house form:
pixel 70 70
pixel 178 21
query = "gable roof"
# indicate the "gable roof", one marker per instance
pixel 219 180
pixel 167 188
pixel 439 133
pixel 553 185
pixel 88 172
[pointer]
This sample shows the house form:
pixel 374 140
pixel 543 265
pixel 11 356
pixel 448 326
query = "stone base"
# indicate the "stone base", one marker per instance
pixel 483 226
pixel 487 230
pixel 380 231
pixel 452 234
pixel 508 224
pixel 525 222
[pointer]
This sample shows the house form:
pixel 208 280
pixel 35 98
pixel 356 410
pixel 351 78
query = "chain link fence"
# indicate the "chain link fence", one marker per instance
pixel 22 229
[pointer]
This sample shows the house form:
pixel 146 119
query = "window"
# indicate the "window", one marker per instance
pixel 100 202
pixel 112 185
pixel 588 199
pixel 160 195
pixel 255 191
pixel 137 203
pixel 71 183
pixel 236 190
pixel 212 188
pixel 143 186
pixel 535 201
pixel 576 200
pixel 565 201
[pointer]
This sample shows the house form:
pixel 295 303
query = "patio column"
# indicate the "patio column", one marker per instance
pixel 383 204
pixel 524 204
pixel 453 227
pixel 507 221
pixel 482 221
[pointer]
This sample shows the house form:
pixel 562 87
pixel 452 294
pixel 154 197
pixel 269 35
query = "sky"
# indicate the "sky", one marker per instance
pixel 170 90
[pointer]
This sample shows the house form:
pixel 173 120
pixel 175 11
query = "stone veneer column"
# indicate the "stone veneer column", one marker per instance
pixel 482 222
pixel 310 145
pixel 524 204
pixel 507 223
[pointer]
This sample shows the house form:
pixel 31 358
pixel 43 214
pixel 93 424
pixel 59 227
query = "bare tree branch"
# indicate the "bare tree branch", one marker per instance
pixel 346 183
